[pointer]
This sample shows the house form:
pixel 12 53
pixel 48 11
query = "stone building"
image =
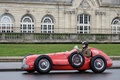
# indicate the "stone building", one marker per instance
pixel 60 16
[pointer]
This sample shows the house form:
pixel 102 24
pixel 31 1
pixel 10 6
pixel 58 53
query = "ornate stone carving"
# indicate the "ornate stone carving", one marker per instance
pixel 27 11
pixel 6 10
pixel 118 13
pixel 69 12
pixel 84 4
pixel 100 13
pixel 48 11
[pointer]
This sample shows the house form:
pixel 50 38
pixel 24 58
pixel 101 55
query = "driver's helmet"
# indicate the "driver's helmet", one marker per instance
pixel 85 43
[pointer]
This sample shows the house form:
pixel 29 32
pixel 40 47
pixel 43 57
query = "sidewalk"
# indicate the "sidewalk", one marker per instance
pixel 116 64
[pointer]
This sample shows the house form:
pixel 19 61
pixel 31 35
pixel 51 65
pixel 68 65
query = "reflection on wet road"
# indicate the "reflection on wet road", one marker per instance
pixel 111 74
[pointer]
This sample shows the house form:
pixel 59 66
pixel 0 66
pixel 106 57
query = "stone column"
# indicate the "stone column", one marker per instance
pixel 103 24
pixel 73 23
pixel 97 24
pixel 66 22
pixel 100 21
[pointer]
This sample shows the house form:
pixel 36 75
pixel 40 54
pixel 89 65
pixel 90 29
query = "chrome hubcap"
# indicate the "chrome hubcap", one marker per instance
pixel 44 64
pixel 99 64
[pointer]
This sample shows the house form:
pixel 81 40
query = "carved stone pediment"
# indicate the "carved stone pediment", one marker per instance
pixel 84 4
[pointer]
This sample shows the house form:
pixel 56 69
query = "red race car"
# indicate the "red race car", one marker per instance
pixel 69 60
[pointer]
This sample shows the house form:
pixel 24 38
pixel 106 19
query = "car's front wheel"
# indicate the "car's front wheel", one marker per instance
pixel 98 64
pixel 43 64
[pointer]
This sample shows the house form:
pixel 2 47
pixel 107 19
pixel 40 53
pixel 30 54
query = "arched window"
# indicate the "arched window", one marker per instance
pixel 116 25
pixel 27 24
pixel 83 23
pixel 6 23
pixel 47 25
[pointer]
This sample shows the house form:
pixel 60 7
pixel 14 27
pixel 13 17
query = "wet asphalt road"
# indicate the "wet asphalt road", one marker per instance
pixel 109 74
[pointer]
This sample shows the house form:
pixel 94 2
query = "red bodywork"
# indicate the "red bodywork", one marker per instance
pixel 60 60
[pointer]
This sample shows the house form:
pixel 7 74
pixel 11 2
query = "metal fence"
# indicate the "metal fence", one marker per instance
pixel 57 38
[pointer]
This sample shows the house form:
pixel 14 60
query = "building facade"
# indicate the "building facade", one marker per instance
pixel 60 16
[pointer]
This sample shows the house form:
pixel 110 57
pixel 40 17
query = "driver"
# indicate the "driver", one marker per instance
pixel 85 49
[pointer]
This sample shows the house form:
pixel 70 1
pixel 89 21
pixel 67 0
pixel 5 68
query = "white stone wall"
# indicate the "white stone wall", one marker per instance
pixel 65 15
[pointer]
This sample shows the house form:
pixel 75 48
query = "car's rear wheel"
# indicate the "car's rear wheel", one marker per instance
pixel 76 60
pixel 43 64
pixel 98 64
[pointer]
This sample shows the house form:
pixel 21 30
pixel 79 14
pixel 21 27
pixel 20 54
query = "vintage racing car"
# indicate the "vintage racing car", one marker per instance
pixel 69 60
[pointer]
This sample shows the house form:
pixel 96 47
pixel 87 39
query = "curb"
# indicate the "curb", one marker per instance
pixel 11 69
pixel 115 67
pixel 115 57
pixel 11 59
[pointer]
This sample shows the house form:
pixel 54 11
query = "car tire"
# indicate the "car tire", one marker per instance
pixel 43 64
pixel 98 64
pixel 76 60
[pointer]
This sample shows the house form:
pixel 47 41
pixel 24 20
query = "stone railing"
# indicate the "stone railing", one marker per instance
pixel 38 1
pixel 57 38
